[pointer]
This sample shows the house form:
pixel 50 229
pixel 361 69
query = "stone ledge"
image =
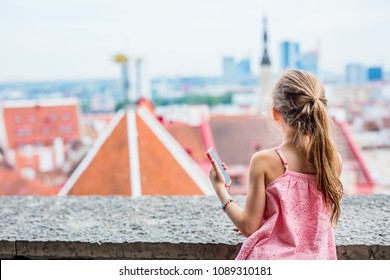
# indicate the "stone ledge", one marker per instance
pixel 159 251
pixel 157 227
pixel 363 252
pixel 130 251
pixel 7 249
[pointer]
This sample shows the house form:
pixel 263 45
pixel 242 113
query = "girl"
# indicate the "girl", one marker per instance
pixel 294 192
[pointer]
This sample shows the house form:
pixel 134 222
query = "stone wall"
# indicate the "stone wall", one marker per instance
pixel 157 227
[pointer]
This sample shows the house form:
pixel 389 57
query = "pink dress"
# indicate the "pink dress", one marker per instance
pixel 296 223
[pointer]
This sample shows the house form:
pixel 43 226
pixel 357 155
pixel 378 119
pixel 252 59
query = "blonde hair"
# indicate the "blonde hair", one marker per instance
pixel 299 97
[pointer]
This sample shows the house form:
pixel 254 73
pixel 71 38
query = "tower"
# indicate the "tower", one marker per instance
pixel 228 69
pixel 265 73
pixel 123 61
pixel 138 77
pixel 265 61
pixel 289 55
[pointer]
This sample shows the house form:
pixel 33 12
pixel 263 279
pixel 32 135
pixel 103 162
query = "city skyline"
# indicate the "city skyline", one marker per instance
pixel 75 40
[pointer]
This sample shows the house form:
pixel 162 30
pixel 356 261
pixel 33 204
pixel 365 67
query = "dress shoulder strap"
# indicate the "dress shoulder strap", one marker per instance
pixel 282 157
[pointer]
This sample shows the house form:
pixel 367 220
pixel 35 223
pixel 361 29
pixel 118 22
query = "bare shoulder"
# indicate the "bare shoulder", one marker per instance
pixel 266 164
pixel 263 155
pixel 263 159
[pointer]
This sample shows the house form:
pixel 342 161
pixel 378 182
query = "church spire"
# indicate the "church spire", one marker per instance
pixel 264 95
pixel 265 61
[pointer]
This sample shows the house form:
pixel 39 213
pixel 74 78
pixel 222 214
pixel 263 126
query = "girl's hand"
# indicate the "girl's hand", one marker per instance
pixel 216 176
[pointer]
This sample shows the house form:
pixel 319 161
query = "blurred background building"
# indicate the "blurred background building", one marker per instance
pixel 134 134
pixel 292 58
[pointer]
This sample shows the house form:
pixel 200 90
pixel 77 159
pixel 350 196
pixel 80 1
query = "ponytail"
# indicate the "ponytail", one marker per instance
pixel 323 155
pixel 300 99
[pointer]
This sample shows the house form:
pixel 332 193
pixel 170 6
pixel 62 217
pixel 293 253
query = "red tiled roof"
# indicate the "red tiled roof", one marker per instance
pixel 108 172
pixel 190 137
pixel 111 167
pixel 161 173
pixel 13 184
pixel 238 137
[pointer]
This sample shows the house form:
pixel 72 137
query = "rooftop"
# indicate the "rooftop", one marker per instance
pixel 14 184
pixel 238 137
pixel 137 156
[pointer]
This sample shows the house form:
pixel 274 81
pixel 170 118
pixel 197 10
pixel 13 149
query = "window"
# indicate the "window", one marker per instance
pixel 65 129
pixel 38 144
pixel 24 131
pixel 45 130
pixel 18 119
pixel 53 117
pixel 66 116
pixel 32 118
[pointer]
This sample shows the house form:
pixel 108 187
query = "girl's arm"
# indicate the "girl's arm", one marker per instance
pixel 249 219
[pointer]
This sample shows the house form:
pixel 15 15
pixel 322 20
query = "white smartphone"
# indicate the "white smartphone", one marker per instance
pixel 211 154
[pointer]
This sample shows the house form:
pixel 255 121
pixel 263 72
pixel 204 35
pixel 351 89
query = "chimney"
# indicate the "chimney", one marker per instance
pixel 59 153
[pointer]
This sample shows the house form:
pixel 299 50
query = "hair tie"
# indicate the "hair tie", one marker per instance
pixel 315 99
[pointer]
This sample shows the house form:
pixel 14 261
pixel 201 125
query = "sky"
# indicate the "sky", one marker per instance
pixel 77 39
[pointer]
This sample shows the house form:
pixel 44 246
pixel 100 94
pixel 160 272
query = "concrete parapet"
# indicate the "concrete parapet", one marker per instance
pixel 158 227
